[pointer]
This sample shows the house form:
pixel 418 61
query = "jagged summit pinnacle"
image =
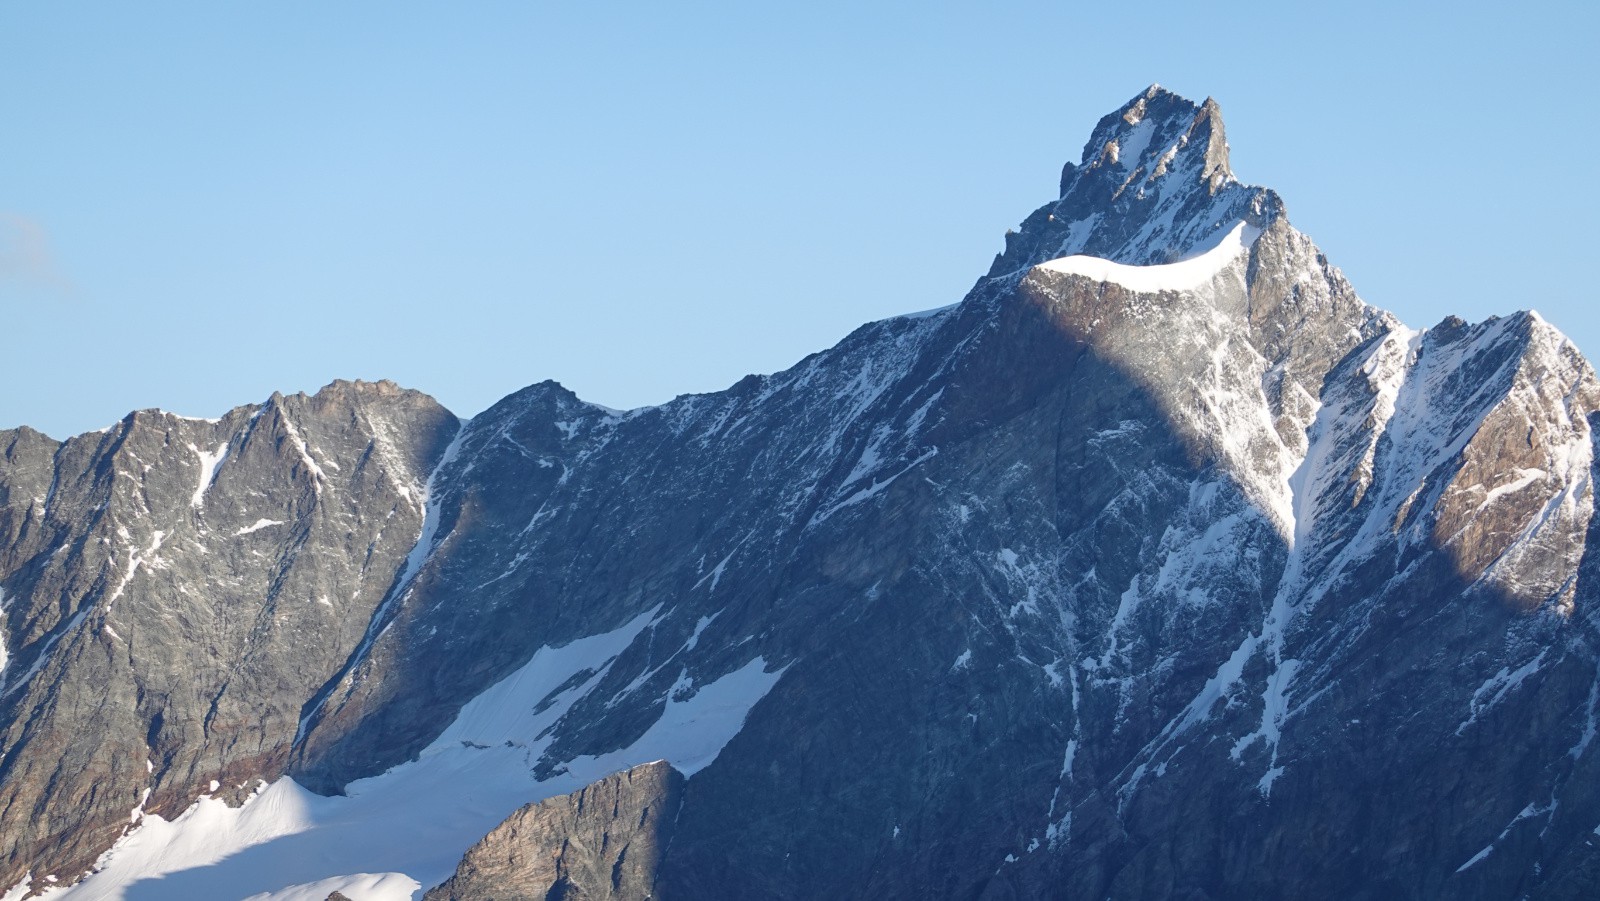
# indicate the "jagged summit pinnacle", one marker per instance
pixel 1153 185
pixel 1146 135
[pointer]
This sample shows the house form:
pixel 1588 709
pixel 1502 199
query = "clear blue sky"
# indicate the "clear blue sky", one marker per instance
pixel 201 203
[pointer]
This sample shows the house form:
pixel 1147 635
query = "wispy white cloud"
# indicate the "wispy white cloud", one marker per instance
pixel 26 259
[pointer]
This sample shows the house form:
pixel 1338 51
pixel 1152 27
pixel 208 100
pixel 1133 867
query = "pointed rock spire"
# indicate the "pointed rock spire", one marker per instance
pixel 1153 134
pixel 1152 185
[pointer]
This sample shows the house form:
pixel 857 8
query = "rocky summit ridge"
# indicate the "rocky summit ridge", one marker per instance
pixel 1160 566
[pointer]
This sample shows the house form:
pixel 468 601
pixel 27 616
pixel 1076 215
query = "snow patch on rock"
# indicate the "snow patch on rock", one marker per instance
pixel 1186 274
pixel 210 462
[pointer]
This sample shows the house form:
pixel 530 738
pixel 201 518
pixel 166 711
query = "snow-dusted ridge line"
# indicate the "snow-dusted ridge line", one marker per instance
pixel 1186 274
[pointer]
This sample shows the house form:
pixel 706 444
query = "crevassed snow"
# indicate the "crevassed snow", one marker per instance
pixel 1183 275
pixel 408 827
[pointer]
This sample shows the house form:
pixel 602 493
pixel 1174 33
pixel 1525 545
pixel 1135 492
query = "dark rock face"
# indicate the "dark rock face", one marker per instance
pixel 603 843
pixel 174 592
pixel 1100 584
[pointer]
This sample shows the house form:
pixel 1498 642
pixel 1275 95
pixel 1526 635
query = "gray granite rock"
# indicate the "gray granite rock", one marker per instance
pixel 602 843
pixel 175 590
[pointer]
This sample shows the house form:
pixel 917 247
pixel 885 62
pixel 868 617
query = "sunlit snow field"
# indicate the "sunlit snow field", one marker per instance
pixel 402 832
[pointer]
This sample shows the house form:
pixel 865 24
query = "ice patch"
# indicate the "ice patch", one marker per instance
pixel 1183 275
pixel 1496 687
pixel 1531 810
pixel 715 575
pixel 1525 477
pixel 136 559
pixel 872 490
pixel 1132 148
pixel 305 454
pixel 1476 858
pixel 700 627
pixel 210 462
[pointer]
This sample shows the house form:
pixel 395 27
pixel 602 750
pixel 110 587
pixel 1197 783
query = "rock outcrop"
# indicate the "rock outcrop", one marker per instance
pixel 175 590
pixel 602 843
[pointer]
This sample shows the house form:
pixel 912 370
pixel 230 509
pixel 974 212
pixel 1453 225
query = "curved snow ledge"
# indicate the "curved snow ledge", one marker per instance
pixel 1184 275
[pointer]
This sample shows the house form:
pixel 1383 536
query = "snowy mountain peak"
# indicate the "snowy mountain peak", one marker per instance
pixel 1144 138
pixel 1162 525
pixel 1152 186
